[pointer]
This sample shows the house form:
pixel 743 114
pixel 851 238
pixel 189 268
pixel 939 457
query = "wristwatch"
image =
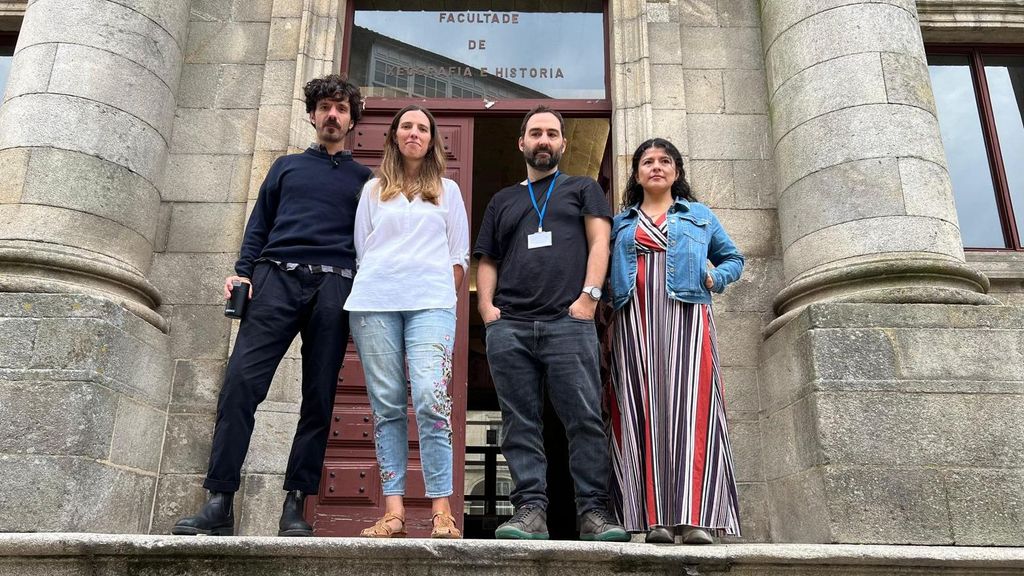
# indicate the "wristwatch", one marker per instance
pixel 593 291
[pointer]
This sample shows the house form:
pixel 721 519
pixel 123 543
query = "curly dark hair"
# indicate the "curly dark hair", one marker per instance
pixel 634 195
pixel 335 87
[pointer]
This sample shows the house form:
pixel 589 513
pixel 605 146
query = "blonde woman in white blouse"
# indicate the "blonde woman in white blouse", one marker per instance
pixel 412 245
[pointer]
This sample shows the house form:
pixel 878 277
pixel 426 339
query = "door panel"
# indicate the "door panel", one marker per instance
pixel 353 428
pixel 350 497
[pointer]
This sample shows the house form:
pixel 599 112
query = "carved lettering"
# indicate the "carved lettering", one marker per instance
pixel 485 18
pixel 477 18
pixel 544 73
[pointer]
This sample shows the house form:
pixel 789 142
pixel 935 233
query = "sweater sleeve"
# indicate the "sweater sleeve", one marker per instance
pixel 257 230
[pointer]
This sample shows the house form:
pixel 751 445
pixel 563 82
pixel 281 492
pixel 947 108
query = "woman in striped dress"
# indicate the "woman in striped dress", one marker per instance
pixel 671 452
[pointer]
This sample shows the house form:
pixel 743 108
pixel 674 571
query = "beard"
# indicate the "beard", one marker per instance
pixel 543 164
pixel 325 135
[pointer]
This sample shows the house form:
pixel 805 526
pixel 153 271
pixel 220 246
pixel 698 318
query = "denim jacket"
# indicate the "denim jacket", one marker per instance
pixel 694 236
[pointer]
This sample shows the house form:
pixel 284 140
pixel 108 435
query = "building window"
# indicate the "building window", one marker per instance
pixel 429 87
pixel 979 94
pixel 463 92
pixel 7 41
pixel 385 75
pixel 503 489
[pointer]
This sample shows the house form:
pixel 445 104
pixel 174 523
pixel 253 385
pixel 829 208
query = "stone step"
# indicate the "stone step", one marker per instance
pixel 54 554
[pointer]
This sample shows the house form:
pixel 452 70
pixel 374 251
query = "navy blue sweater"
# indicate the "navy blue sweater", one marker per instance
pixel 305 212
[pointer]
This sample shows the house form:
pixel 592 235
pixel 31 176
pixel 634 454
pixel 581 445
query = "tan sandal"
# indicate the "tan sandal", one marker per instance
pixel 381 529
pixel 444 526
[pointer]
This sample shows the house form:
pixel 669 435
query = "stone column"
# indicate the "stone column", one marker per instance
pixel 84 131
pixel 85 371
pixel 865 204
pixel 889 409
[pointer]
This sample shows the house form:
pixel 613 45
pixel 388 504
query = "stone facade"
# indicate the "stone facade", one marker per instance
pixel 83 400
pixel 902 421
pixel 872 370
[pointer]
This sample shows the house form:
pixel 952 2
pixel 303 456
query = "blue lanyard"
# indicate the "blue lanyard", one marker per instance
pixel 541 211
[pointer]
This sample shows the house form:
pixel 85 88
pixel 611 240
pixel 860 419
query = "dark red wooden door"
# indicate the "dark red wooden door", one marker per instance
pixel 350 497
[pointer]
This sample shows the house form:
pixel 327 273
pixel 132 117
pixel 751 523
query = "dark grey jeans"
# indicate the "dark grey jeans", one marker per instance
pixel 560 356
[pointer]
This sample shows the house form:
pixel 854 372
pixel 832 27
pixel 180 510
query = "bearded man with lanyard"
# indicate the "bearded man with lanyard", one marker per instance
pixel 543 251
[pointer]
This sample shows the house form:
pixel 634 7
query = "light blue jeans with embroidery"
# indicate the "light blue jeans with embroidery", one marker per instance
pixel 424 339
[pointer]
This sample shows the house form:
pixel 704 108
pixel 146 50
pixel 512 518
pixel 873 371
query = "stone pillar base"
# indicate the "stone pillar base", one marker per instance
pixel 84 387
pixel 895 423
pixel 33 267
pixel 896 280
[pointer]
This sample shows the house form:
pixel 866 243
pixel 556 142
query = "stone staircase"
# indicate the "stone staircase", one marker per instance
pixel 57 554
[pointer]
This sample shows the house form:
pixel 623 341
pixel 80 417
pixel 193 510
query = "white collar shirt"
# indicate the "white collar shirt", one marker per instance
pixel 406 250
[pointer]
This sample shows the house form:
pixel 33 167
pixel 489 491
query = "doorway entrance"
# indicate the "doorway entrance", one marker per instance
pixel 468 63
pixel 483 157
pixel 497 163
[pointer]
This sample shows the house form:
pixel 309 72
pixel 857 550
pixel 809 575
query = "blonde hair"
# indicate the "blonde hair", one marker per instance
pixel 391 173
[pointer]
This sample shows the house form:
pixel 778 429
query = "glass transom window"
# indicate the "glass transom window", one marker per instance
pixel 479 50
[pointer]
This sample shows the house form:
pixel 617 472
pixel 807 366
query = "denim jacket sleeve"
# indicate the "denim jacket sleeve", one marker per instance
pixel 723 254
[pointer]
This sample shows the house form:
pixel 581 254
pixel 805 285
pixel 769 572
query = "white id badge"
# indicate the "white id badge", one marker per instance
pixel 538 240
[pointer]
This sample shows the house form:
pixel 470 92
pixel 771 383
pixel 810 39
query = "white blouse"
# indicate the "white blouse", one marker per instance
pixel 406 250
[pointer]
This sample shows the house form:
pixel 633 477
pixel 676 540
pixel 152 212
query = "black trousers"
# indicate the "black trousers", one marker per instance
pixel 284 303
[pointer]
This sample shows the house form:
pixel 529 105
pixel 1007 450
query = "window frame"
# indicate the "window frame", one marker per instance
pixel 975 54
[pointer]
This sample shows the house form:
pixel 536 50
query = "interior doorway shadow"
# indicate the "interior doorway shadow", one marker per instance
pixel 561 491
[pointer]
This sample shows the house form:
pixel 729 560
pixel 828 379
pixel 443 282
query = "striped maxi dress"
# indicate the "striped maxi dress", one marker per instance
pixel 670 446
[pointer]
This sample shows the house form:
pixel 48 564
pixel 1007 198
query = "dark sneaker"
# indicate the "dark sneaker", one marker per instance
pixel 528 523
pixel 597 525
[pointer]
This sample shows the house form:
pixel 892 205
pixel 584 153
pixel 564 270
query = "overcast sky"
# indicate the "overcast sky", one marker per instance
pixel 5 69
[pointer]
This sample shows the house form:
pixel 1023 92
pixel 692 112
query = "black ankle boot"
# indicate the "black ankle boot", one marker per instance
pixel 292 521
pixel 216 518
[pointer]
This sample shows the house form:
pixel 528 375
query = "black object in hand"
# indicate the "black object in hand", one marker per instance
pixel 235 306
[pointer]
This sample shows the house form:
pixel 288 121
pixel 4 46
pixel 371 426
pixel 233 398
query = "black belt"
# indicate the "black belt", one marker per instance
pixel 313 268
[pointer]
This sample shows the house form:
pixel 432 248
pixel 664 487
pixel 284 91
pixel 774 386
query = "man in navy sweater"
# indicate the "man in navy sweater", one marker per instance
pixel 298 260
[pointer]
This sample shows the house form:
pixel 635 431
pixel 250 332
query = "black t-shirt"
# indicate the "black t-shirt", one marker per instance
pixel 540 284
